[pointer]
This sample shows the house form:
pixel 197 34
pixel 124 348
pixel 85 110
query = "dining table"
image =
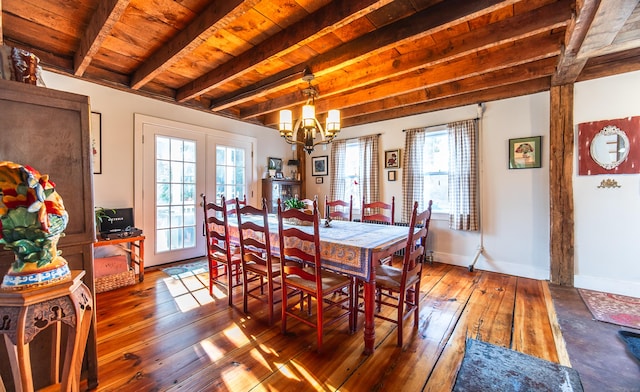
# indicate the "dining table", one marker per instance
pixel 351 248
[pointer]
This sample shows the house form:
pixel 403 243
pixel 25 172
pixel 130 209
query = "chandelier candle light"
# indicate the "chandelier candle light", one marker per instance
pixel 308 123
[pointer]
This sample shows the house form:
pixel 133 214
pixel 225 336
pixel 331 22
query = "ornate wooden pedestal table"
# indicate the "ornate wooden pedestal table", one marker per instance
pixel 23 314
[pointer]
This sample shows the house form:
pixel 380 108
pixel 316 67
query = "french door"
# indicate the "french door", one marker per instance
pixel 179 162
pixel 232 162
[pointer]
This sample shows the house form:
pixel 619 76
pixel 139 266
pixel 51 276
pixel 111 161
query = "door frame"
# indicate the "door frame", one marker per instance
pixel 140 209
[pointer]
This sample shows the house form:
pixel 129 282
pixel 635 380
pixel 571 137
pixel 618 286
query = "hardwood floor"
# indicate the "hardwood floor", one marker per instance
pixel 168 334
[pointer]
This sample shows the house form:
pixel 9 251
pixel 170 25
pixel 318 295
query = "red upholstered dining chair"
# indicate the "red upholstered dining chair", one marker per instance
pixel 399 287
pixel 255 251
pixel 338 209
pixel 224 264
pixel 379 212
pixel 302 272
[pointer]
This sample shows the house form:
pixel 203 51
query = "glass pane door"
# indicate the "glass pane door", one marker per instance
pixel 173 176
pixel 231 179
pixel 175 205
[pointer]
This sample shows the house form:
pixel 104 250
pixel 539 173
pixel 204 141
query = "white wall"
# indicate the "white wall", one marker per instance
pixel 606 219
pixel 512 246
pixel 114 187
pixel 515 203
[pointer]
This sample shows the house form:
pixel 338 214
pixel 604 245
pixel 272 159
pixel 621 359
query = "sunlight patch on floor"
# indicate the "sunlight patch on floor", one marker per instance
pixel 217 293
pixel 309 377
pixel 259 356
pixel 190 291
pixel 236 335
pixel 212 351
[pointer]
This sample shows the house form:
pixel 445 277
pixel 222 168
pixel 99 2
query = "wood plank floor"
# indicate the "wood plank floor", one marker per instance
pixel 168 334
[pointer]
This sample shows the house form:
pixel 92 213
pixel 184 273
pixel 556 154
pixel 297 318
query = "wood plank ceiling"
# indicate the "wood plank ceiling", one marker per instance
pixel 374 60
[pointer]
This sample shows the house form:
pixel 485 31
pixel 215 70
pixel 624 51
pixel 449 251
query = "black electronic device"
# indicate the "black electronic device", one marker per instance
pixel 118 223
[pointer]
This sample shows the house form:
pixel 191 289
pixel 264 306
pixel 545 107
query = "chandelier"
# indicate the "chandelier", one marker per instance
pixel 308 123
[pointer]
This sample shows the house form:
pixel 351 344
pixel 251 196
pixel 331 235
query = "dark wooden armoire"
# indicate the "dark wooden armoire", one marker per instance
pixel 49 130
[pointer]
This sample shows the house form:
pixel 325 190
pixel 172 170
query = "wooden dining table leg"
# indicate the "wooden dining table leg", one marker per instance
pixel 369 326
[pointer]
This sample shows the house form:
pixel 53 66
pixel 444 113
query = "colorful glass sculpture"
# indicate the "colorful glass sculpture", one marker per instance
pixel 32 220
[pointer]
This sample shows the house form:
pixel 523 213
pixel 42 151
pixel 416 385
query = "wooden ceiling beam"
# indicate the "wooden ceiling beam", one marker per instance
pixel 503 77
pixel 99 28
pixel 612 64
pixel 496 58
pixel 205 25
pixel 549 17
pixel 509 91
pixel 609 18
pixel 421 24
pixel 326 20
pixel 568 67
pixel 593 28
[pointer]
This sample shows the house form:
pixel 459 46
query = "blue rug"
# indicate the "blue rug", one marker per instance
pixel 632 340
pixel 486 367
pixel 192 268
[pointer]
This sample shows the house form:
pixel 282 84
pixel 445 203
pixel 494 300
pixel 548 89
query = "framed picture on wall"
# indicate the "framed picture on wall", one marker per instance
pixel 392 158
pixel 320 166
pixel 391 175
pixel 274 164
pixel 525 152
pixel 318 180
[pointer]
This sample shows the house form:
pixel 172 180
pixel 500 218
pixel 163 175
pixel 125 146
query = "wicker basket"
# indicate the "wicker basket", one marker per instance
pixel 114 281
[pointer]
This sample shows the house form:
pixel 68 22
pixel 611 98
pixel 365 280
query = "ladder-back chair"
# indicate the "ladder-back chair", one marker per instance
pixel 338 209
pixel 257 263
pixel 302 272
pixel 399 287
pixel 379 211
pixel 224 263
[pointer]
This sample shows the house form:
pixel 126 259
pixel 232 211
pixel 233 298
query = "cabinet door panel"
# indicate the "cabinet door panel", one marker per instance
pixel 49 131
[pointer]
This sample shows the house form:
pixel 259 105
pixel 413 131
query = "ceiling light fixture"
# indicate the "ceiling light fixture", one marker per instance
pixel 308 123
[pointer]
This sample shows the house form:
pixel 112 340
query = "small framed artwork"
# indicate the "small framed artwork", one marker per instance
pixel 392 158
pixel 275 164
pixel 318 180
pixel 279 175
pixel 391 175
pixel 320 166
pixel 525 152
pixel 96 142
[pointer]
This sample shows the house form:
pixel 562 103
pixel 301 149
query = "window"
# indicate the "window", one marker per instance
pixel 230 172
pixel 175 195
pixel 352 173
pixel 436 170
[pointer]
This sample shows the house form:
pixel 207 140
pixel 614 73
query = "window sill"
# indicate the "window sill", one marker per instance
pixel 440 216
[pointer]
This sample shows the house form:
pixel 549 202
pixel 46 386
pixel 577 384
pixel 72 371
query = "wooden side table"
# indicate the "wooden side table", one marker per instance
pixel 134 246
pixel 23 314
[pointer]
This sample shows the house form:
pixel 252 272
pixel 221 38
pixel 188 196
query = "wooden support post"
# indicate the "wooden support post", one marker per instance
pixel 561 185
pixel 1 35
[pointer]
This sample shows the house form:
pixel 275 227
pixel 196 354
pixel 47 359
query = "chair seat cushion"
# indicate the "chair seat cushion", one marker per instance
pixel 330 281
pixel 262 269
pixel 391 277
pixel 219 256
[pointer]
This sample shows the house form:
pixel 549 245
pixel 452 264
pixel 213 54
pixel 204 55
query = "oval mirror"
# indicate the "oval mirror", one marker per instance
pixel 610 147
